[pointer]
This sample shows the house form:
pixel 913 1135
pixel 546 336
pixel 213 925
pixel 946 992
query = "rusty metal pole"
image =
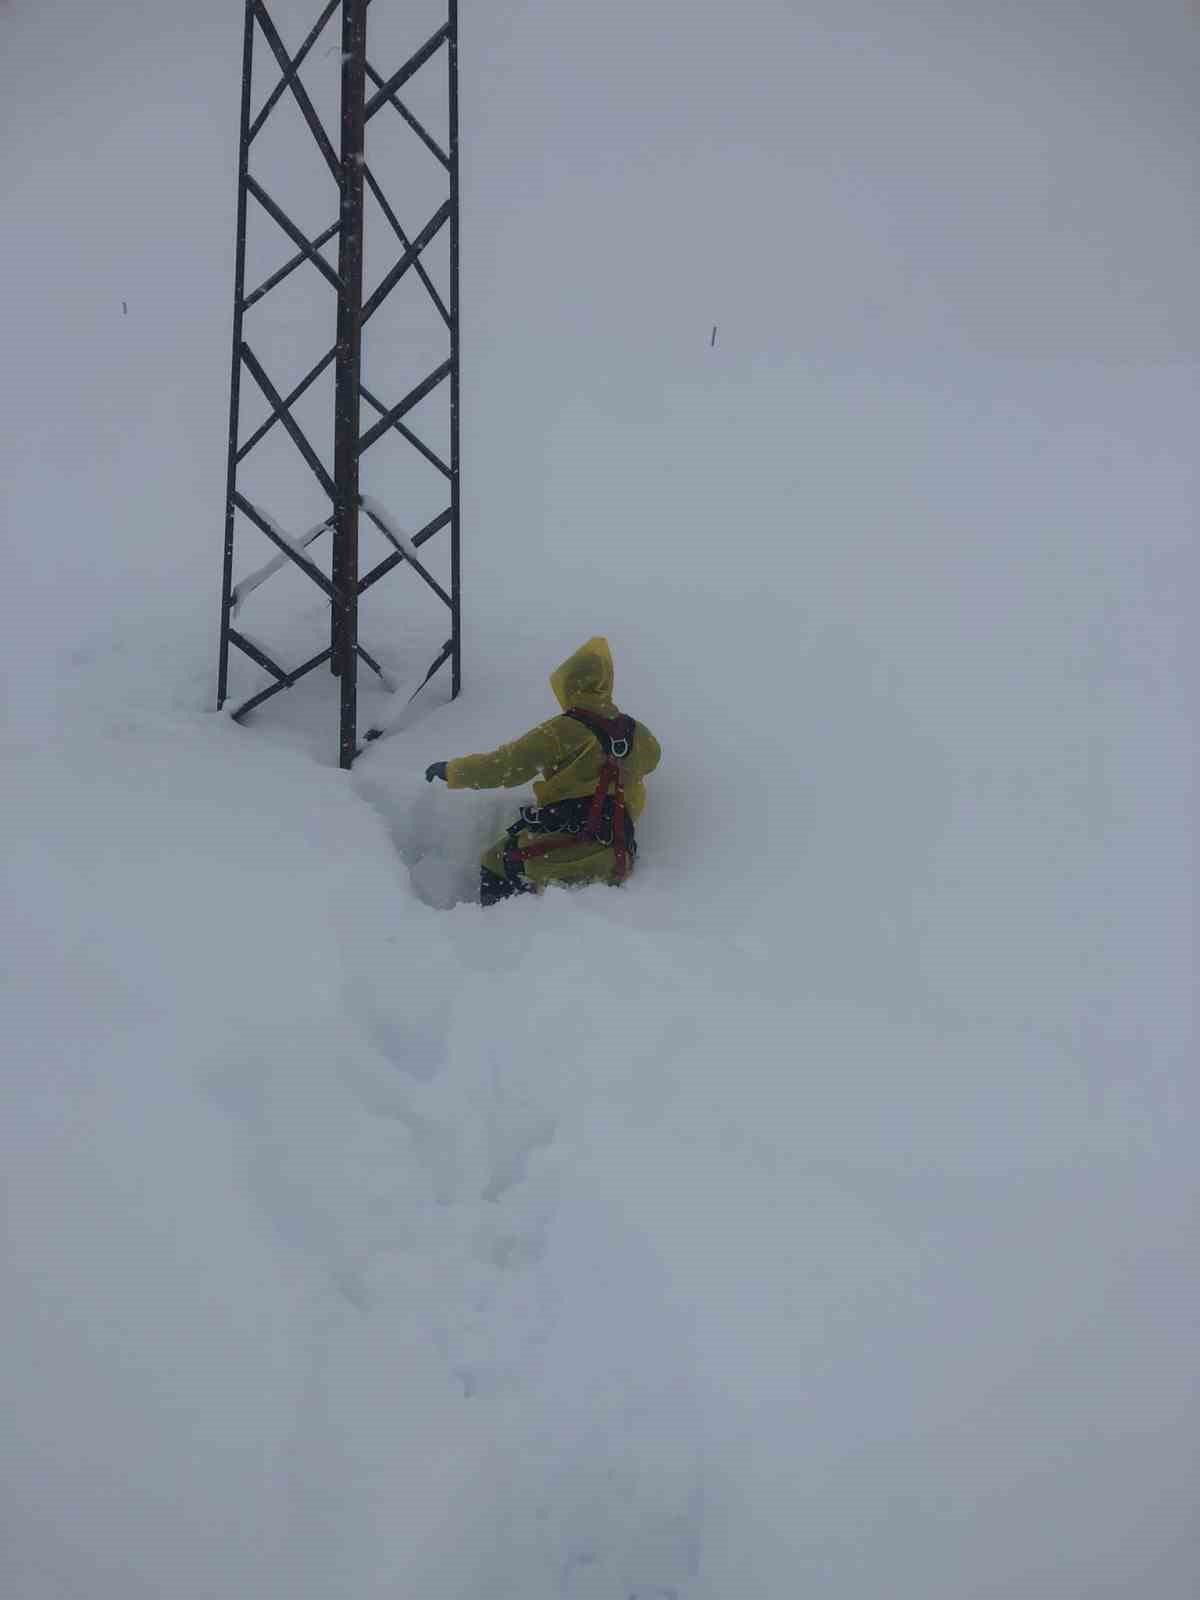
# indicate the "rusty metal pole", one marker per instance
pixel 239 294
pixel 455 469
pixel 347 380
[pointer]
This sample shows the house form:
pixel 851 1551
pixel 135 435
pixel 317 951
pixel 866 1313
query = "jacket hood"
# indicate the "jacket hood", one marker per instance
pixel 585 678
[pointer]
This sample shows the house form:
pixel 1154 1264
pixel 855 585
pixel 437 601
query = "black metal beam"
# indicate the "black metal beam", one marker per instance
pixel 277 688
pixel 388 283
pixel 295 234
pixel 235 383
pixel 389 563
pixel 398 79
pixel 407 434
pixel 411 399
pixel 421 132
pixel 282 411
pixel 259 657
pixel 289 267
pixel 366 656
pixel 418 266
pixel 347 383
pixel 439 661
pixel 455 361
pixel 289 401
pixel 296 63
pixel 246 586
pixel 282 544
pixel 418 567
pixel 299 93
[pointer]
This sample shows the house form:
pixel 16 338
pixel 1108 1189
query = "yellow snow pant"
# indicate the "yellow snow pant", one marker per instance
pixel 576 863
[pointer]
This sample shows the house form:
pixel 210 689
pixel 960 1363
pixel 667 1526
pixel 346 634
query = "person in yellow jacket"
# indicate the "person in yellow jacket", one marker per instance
pixel 571 752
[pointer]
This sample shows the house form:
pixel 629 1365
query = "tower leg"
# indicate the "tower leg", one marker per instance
pixel 239 298
pixel 455 514
pixel 344 574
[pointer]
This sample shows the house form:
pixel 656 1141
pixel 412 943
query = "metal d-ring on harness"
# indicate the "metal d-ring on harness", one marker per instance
pixel 568 817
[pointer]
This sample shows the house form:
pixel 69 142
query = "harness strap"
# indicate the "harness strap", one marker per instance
pixel 614 733
pixel 620 854
pixel 616 739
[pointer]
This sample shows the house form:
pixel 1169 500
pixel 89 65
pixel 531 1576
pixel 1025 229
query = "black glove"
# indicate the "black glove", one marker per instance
pixel 436 770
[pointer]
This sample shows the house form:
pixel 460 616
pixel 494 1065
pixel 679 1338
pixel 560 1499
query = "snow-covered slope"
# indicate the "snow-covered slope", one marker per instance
pixel 818 1213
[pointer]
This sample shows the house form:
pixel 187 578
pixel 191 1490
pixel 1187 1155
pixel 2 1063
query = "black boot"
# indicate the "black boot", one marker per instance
pixel 493 888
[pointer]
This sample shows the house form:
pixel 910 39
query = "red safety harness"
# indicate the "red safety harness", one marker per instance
pixel 616 739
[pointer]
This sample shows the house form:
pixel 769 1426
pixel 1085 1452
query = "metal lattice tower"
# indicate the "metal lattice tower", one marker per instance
pixel 300 461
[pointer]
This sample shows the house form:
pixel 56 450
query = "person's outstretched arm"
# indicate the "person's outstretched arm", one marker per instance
pixel 543 749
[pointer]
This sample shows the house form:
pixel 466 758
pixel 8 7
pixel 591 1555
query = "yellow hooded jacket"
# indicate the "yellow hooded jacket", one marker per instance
pixel 570 759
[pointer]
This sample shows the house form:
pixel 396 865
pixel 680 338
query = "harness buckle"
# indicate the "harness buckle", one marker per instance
pixel 619 748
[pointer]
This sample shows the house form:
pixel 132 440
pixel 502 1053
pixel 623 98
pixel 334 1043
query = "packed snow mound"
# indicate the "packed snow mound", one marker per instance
pixel 430 1250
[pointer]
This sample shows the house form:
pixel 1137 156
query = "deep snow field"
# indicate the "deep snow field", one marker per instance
pixel 817 1215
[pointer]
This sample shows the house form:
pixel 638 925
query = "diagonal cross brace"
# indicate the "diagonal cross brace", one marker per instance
pixel 285 682
pixel 310 377
pixel 247 585
pixel 409 553
pixel 300 94
pixel 257 655
pixel 411 399
pixel 418 267
pixel 280 407
pixel 439 661
pixel 413 65
pixel 289 267
pixel 285 545
pixel 289 401
pixel 307 249
pixel 294 66
pixel 387 284
pixel 397 556
pixel 421 132
pixel 407 434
